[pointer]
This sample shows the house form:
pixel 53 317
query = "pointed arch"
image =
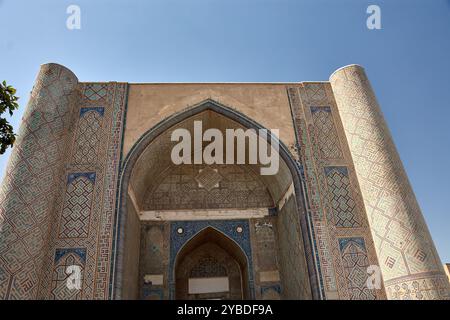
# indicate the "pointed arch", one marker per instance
pixel 116 280
pixel 223 246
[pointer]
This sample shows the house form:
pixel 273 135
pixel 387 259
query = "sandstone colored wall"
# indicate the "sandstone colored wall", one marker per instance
pixel 131 280
pixel 264 240
pixel 239 187
pixel 154 260
pixel 447 270
pixel 338 226
pixel 148 104
pixel 410 264
pixel 58 199
pixel 291 253
pixel 30 187
pixel 82 229
pixel 338 235
pixel 208 261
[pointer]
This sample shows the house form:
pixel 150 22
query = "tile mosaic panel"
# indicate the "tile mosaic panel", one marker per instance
pixel 191 228
pixel 325 132
pixel 403 243
pixel 355 263
pixel 31 183
pixel 76 212
pixel 342 205
pixel 88 135
pixel 89 199
pixel 64 258
pixel 334 204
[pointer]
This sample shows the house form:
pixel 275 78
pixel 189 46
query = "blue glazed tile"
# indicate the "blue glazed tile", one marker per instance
pixel 318 109
pixel 192 228
pixel 341 169
pixel 148 291
pixel 99 110
pixel 61 252
pixel 76 175
pixel 344 242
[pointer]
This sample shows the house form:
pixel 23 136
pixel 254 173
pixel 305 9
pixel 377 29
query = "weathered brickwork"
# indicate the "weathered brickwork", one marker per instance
pixel 154 240
pixel 87 216
pixel 31 184
pixel 333 199
pixel 233 186
pixel 409 261
pixel 85 189
pixel 86 200
pixel 291 254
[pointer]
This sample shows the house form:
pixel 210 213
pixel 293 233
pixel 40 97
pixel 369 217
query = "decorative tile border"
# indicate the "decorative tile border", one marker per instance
pixel 147 138
pixel 95 202
pixel 99 110
pixel 61 252
pixel 192 228
pixel 274 287
pixel 334 205
pixel 88 175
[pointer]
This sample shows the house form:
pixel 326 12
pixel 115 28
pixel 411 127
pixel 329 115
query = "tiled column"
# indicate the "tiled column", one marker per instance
pixel 28 191
pixel 410 264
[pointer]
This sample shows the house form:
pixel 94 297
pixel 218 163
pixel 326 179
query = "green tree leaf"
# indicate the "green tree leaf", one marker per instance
pixel 8 103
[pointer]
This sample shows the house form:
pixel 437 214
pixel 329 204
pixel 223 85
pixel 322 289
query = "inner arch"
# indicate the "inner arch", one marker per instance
pixel 211 256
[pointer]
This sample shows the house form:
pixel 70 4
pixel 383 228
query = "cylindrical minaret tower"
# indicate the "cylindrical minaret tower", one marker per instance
pixel 29 188
pixel 410 264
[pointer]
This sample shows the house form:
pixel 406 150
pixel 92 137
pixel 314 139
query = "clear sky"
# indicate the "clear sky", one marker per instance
pixel 408 60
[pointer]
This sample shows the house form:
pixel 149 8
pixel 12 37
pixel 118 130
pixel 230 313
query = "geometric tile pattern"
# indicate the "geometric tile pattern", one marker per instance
pixel 197 186
pixel 274 287
pixel 227 227
pixel 422 287
pixel 88 194
pixel 153 294
pixel 95 91
pixel 208 266
pixel 58 197
pixel 355 263
pixel 99 110
pixel 341 202
pixel 154 240
pixel 75 216
pixel 403 243
pixel 61 252
pixel 334 205
pixel 315 212
pixel 266 244
pixel 314 93
pixel 88 135
pixel 31 184
pixel 289 255
pixel 63 259
pixel 327 137
pixel 208 178
pixel 117 95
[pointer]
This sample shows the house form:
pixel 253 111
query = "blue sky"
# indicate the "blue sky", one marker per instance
pixel 407 60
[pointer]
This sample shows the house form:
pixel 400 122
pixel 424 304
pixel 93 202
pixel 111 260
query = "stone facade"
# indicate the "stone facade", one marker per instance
pixel 409 261
pixel 35 173
pixel 447 270
pixel 90 183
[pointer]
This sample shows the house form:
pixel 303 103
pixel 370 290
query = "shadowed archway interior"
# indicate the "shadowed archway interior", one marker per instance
pixel 155 192
pixel 211 266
